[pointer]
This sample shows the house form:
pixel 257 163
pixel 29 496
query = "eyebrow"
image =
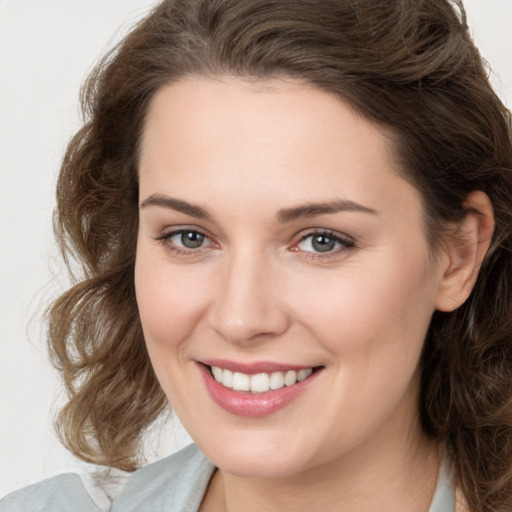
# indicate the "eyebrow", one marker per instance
pixel 315 209
pixel 284 215
pixel 177 205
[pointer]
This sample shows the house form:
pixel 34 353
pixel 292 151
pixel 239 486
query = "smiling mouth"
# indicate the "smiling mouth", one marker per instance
pixel 260 382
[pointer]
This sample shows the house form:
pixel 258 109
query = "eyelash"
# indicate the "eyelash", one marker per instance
pixel 165 240
pixel 345 243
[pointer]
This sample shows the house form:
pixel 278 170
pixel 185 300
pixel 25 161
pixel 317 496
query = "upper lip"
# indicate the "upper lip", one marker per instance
pixel 252 368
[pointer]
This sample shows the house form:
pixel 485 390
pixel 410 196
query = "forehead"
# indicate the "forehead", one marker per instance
pixel 259 106
pixel 283 140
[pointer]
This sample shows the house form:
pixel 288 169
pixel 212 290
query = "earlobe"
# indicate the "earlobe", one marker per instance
pixel 465 249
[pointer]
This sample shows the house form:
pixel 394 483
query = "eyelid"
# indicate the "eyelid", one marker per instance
pixel 164 235
pixel 346 242
pixel 167 234
pixel 328 233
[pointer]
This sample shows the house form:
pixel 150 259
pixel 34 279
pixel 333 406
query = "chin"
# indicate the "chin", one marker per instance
pixel 258 456
pixel 258 465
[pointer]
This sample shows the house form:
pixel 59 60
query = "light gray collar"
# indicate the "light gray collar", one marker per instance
pixel 444 495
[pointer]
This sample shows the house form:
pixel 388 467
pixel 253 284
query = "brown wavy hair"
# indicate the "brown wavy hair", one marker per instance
pixel 408 65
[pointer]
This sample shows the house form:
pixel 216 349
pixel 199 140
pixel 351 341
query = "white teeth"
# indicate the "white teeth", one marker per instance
pixel 227 378
pixel 260 382
pixel 290 378
pixel 276 380
pixel 304 374
pixel 241 382
pixel 217 373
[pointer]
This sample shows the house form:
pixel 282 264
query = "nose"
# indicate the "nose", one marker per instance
pixel 248 305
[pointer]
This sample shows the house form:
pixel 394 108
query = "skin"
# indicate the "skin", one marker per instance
pixel 258 290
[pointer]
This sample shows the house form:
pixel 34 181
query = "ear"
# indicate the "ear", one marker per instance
pixel 465 249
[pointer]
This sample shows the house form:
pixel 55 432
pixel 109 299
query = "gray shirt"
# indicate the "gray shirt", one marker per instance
pixel 174 484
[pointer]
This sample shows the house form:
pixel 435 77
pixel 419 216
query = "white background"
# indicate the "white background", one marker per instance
pixel 46 49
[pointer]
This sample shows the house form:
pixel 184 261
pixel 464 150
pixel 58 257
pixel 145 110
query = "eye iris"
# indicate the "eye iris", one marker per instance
pixel 192 239
pixel 322 243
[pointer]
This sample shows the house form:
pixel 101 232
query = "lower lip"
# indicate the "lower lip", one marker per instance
pixel 255 405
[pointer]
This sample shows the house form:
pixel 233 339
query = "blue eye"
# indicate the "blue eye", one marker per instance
pixel 188 239
pixel 185 239
pixel 323 242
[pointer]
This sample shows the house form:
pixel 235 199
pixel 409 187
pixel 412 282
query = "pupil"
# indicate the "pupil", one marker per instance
pixel 191 239
pixel 323 243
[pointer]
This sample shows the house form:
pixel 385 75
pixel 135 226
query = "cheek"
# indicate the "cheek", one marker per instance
pixel 373 322
pixel 171 305
pixel 170 302
pixel 386 301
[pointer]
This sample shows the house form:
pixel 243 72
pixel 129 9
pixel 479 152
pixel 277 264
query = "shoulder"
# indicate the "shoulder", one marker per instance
pixel 58 494
pixel 175 484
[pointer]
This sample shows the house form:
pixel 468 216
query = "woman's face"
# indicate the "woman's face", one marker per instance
pixel 277 236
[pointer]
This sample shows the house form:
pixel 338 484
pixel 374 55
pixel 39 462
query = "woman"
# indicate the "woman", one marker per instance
pixel 294 226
